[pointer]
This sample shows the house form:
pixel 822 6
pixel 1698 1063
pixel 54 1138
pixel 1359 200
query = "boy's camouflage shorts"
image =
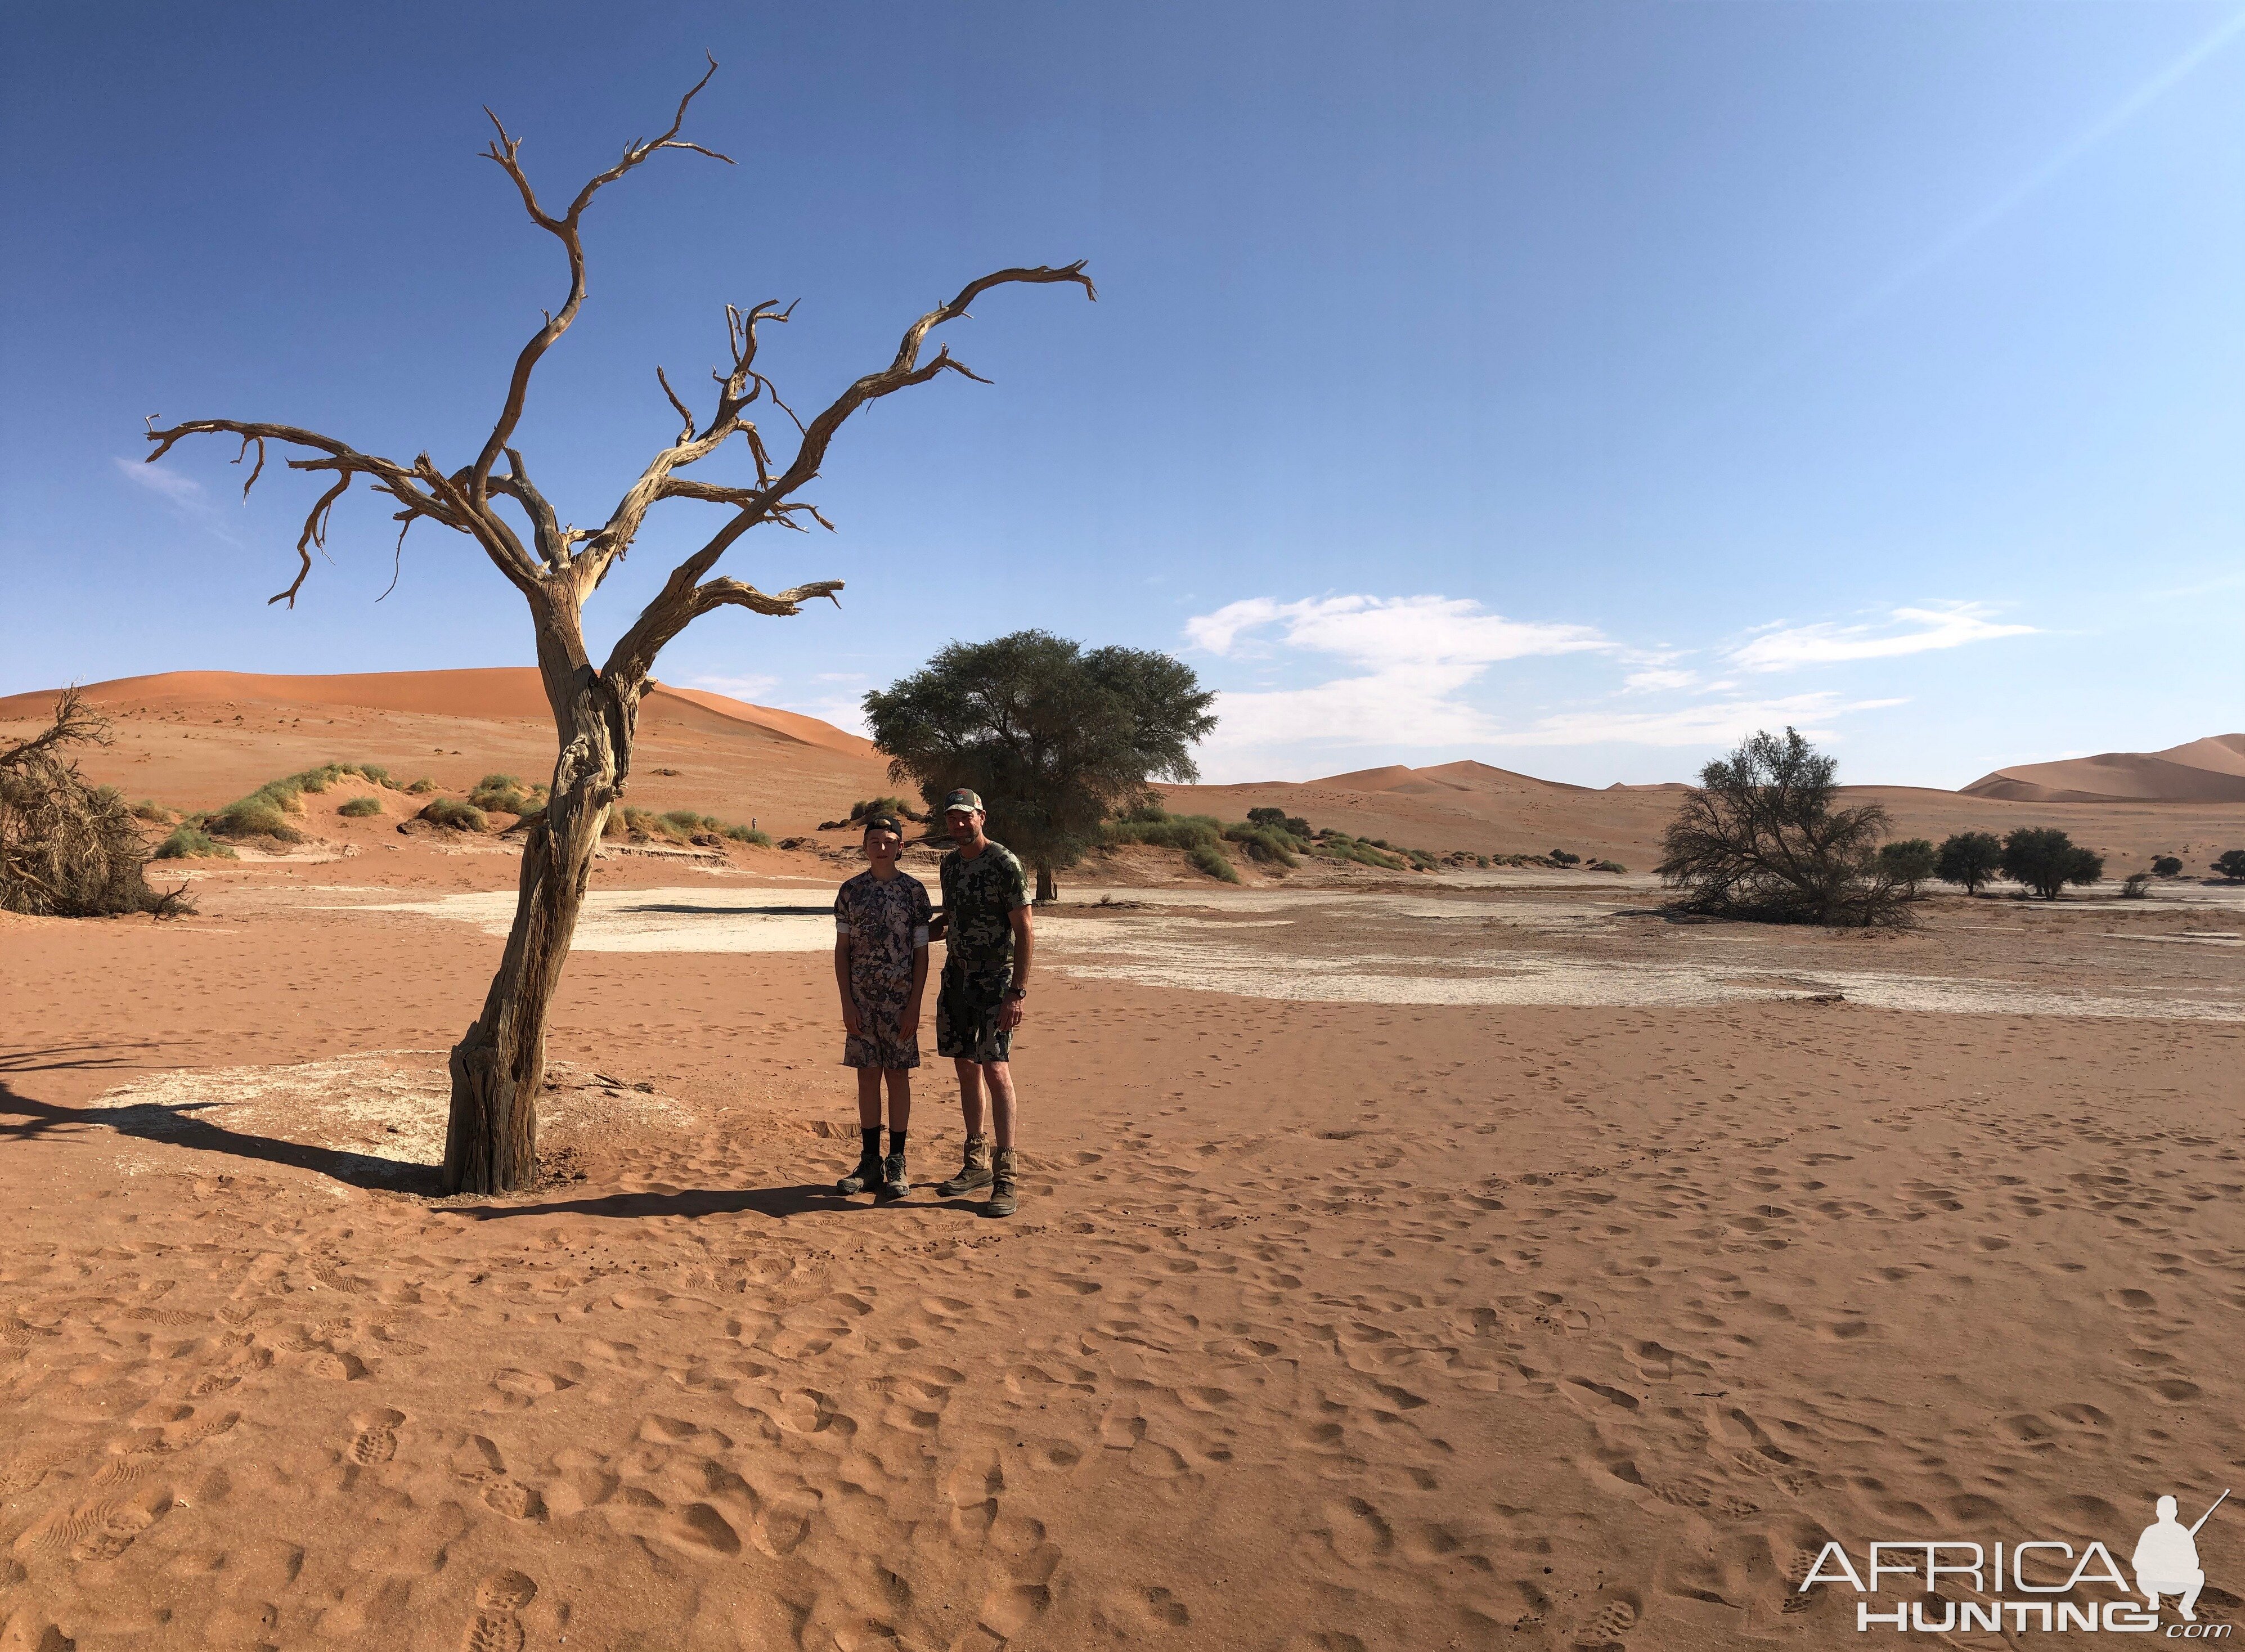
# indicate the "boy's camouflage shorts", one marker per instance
pixel 969 1007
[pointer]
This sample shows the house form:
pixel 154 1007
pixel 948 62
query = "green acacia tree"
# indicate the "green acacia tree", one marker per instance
pixel 1055 738
pixel 1970 858
pixel 2046 860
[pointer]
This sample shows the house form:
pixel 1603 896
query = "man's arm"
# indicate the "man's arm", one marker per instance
pixel 1024 949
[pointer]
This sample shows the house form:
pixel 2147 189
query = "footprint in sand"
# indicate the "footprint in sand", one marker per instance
pixel 515 1500
pixel 495 1628
pixel 376 1439
pixel 1605 1630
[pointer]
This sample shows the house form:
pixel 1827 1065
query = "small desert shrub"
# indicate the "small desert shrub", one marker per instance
pixel 1278 819
pixel 896 806
pixel 1561 857
pixel 502 794
pixel 1213 861
pixel 2167 866
pixel 378 774
pixel 749 835
pixel 452 813
pixel 2046 860
pixel 2137 886
pixel 421 786
pixel 687 822
pixel 360 807
pixel 2229 865
pixel 191 843
pixel 156 815
pixel 1200 836
pixel 259 815
pixel 1336 846
pixel 1274 844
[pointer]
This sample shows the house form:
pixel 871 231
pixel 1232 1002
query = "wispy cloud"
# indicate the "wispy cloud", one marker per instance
pixel 1412 657
pixel 750 688
pixel 1709 723
pixel 1906 630
pixel 1384 631
pixel 183 493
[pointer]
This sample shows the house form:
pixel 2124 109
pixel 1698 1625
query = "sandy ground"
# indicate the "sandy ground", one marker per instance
pixel 1480 1262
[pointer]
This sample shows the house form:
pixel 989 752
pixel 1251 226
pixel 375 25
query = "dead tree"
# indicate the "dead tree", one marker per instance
pixel 497 1067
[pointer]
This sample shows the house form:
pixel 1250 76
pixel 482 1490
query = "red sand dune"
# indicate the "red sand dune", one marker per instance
pixel 486 691
pixel 2202 771
pixel 199 739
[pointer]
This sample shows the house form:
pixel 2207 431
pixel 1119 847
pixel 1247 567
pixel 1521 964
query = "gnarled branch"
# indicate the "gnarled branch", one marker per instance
pixel 504 150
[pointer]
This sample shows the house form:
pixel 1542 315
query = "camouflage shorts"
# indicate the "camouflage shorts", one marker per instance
pixel 968 1010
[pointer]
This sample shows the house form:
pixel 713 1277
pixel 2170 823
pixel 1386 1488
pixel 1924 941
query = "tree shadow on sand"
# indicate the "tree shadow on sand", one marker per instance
pixel 22 1119
pixel 693 1203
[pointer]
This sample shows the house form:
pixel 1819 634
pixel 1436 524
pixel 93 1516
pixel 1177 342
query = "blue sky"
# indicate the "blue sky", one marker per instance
pixel 1573 387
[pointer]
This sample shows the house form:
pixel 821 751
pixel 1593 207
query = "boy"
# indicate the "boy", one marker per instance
pixel 880 965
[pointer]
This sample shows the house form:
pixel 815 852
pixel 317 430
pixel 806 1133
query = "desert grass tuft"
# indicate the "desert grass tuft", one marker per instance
pixel 452 813
pixel 360 807
pixel 191 843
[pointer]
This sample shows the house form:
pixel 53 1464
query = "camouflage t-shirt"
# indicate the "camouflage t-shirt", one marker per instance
pixel 979 898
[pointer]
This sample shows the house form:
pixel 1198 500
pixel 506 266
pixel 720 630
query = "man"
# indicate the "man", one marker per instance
pixel 987 946
pixel 880 966
pixel 2166 1560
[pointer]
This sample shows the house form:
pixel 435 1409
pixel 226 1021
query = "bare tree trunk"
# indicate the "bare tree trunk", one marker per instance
pixel 1047 890
pixel 498 1068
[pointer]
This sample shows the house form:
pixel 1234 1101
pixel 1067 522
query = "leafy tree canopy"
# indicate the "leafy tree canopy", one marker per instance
pixel 1054 737
pixel 1970 858
pixel 2046 860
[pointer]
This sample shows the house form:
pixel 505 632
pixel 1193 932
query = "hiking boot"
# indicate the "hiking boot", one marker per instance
pixel 869 1174
pixel 1004 1193
pixel 894 1183
pixel 975 1173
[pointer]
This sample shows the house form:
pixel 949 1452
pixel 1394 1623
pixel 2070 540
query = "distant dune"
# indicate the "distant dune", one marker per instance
pixel 2204 771
pixel 199 739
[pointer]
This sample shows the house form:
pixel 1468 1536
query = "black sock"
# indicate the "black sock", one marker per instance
pixel 873 1138
pixel 897 1142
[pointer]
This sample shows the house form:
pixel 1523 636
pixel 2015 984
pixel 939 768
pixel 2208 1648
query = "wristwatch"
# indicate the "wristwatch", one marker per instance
pixel 1017 993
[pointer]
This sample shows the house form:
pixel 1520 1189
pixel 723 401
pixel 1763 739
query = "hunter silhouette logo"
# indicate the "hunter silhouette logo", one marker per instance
pixel 2015 1582
pixel 2166 1559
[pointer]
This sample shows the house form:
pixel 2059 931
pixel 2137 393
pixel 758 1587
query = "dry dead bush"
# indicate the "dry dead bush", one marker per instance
pixel 68 849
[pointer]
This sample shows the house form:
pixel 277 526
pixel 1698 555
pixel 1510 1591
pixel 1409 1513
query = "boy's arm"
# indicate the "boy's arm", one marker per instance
pixel 908 1023
pixel 842 981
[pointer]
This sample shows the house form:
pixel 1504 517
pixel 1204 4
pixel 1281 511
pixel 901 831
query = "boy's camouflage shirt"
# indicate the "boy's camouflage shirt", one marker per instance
pixel 979 898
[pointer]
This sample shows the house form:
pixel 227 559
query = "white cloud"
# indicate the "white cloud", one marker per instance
pixel 183 493
pixel 1908 631
pixel 752 688
pixel 1656 678
pixel 1413 656
pixel 1382 632
pixel 1718 723
pixel 168 484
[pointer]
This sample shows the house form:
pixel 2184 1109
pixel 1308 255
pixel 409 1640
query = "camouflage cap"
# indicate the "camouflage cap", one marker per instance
pixel 964 799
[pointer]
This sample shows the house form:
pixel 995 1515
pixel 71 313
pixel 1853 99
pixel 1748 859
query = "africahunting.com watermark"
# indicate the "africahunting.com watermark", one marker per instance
pixel 2015 1583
